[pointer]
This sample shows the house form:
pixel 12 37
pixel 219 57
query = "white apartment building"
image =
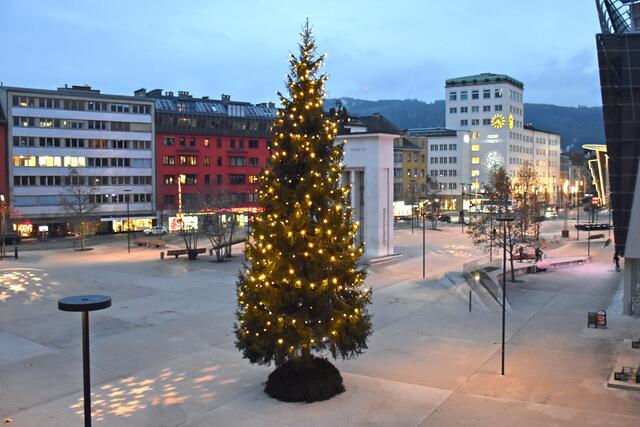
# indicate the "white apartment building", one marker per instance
pixel 107 139
pixel 491 108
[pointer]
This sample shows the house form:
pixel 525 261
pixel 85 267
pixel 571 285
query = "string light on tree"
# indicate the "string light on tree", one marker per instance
pixel 309 294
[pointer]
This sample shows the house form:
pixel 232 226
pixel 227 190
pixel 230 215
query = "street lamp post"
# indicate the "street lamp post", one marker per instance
pixel 565 226
pixel 578 205
pixel 462 208
pixel 412 183
pixel 424 217
pixel 128 221
pixel 504 220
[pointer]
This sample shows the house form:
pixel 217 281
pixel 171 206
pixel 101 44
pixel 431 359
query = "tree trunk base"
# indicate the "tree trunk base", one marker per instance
pixel 83 250
pixel 295 381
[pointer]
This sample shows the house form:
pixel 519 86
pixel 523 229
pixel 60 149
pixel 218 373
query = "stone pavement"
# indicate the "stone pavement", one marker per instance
pixel 163 355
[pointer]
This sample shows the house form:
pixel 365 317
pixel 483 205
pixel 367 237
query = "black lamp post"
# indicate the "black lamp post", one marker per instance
pixel 128 222
pixel 424 221
pixel 505 219
pixel 462 208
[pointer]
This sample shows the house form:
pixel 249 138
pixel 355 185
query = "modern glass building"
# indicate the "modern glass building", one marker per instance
pixel 618 48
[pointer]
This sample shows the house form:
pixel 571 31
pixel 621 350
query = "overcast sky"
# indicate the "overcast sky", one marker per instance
pixel 376 49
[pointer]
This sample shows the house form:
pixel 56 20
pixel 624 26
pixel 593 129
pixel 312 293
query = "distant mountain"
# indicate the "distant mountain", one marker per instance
pixel 576 125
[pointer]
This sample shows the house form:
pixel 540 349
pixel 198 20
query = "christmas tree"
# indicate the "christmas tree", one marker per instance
pixel 302 290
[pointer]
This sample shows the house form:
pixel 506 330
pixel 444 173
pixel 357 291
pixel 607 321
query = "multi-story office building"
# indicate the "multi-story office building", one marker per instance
pixel 209 147
pixel 447 163
pixel 618 58
pixel 106 139
pixel 491 108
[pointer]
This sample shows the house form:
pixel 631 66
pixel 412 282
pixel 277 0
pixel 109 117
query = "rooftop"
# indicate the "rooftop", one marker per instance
pixel 76 91
pixel 435 131
pixel 375 123
pixel 187 104
pixel 484 78
pixel 530 126
pixel 404 144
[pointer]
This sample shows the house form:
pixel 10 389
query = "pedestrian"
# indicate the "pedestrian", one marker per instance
pixel 521 253
pixel 538 254
pixel 616 259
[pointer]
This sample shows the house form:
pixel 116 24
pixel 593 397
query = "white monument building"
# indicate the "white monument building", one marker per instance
pixel 368 160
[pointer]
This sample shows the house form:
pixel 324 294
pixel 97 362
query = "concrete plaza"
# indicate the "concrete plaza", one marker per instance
pixel 163 354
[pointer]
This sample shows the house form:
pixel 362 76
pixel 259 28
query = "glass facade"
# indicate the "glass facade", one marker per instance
pixel 619 63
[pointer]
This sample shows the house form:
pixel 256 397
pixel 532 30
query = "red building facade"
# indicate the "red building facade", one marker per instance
pixel 208 147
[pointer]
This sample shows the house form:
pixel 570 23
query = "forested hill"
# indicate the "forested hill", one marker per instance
pixel 576 125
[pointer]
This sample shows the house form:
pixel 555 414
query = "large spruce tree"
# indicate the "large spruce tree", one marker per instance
pixel 301 291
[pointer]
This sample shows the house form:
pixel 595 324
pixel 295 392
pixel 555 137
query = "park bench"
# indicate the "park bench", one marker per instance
pixel 596 236
pixel 177 252
pixel 523 257
pixel 627 373
pixel 150 242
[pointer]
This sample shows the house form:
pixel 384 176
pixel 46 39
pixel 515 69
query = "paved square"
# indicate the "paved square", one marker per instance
pixel 164 354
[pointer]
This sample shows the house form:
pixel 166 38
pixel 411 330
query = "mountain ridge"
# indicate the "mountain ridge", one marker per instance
pixel 576 125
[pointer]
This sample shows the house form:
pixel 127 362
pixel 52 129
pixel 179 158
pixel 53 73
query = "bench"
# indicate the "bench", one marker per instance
pixel 141 242
pixel 177 252
pixel 150 242
pixel 525 257
pixel 596 236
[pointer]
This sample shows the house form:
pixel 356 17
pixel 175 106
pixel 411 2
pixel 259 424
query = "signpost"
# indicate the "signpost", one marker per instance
pixel 594 203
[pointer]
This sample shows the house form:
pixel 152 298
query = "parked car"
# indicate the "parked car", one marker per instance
pixel 158 230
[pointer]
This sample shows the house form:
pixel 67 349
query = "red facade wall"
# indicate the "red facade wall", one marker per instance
pixel 4 167
pixel 222 152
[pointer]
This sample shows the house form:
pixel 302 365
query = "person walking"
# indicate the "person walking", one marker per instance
pixel 616 259
pixel 538 254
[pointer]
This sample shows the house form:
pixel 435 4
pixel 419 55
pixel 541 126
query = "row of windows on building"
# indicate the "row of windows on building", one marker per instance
pixel 116 144
pixel 475 122
pixel 79 105
pixel 443 172
pixel 515 110
pixel 169 122
pixel 55 181
pixel 170 199
pixel 475 109
pixel 78 162
pixel 526 138
pixel 444 147
pixel 443 160
pixel 58 200
pixel 43 122
pixel 475 94
pixel 192 179
pixel 170 141
pixel 191 160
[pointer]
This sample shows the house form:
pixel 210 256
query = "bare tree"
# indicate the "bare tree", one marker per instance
pixel 192 203
pixel 432 203
pixel 220 222
pixel 525 191
pixel 79 200
pixel 483 229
